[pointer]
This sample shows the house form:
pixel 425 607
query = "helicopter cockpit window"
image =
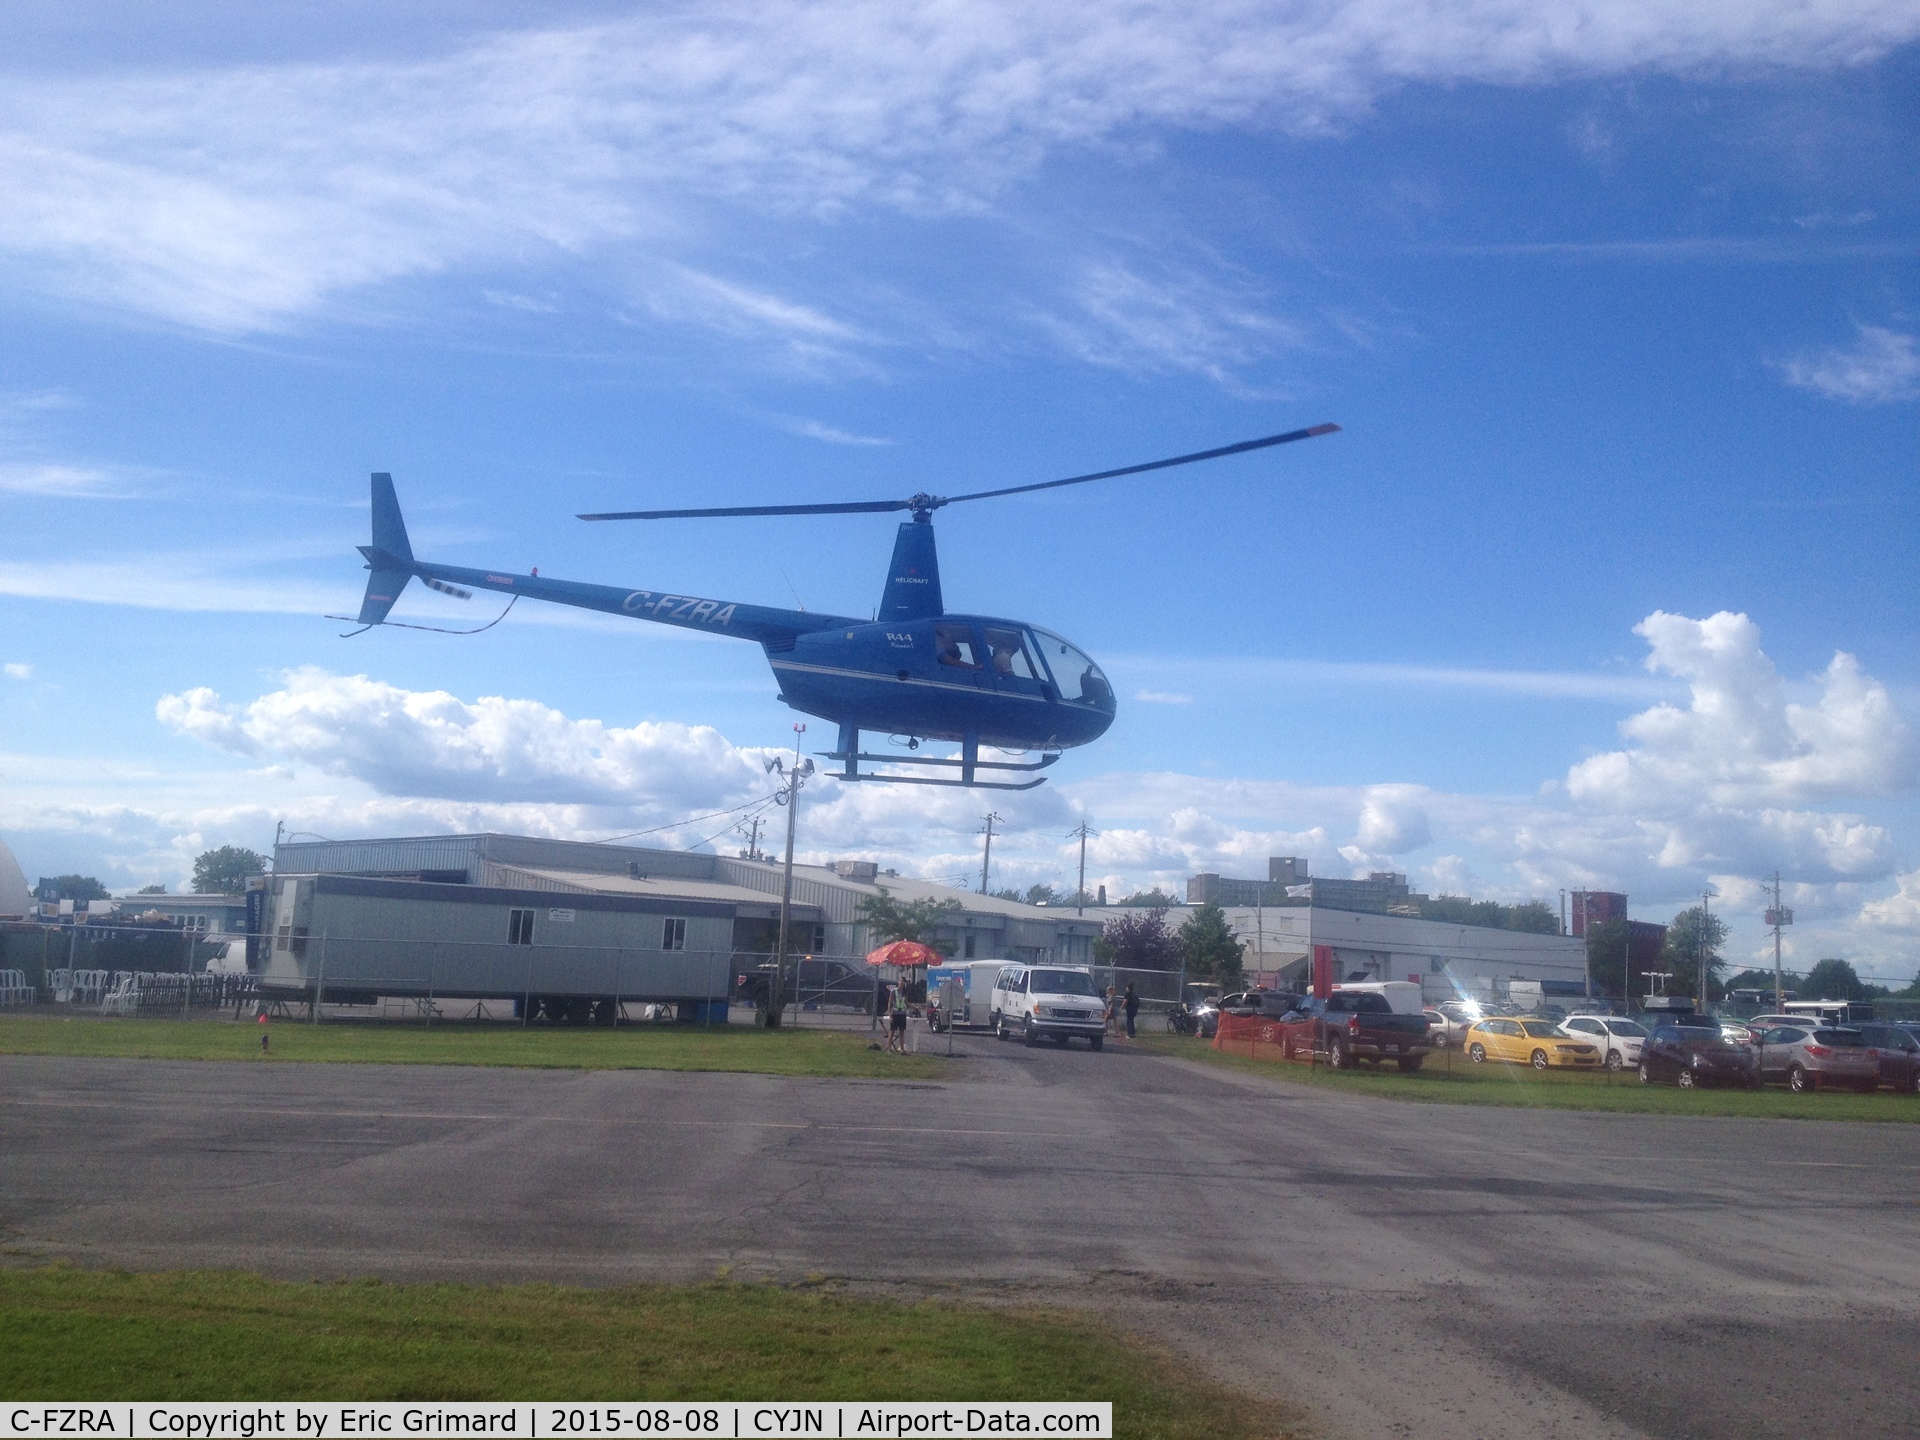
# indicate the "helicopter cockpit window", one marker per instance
pixel 954 645
pixel 1079 679
pixel 1007 653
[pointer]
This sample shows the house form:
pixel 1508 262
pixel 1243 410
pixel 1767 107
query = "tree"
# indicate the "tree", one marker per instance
pixel 153 889
pixel 1211 948
pixel 1151 898
pixel 1535 916
pixel 70 887
pixel 1694 932
pixel 226 871
pixel 1834 979
pixel 889 919
pixel 1032 895
pixel 1138 942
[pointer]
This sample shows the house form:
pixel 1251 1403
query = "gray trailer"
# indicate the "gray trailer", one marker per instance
pixel 346 939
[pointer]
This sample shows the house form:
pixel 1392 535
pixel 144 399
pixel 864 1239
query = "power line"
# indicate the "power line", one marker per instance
pixel 677 824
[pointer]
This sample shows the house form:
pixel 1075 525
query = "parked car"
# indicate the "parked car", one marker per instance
pixel 1052 1002
pixel 810 983
pixel 1899 1051
pixel 1808 1058
pixel 1271 1003
pixel 1353 1027
pixel 1619 1040
pixel 1539 1043
pixel 1691 1055
pixel 1448 1021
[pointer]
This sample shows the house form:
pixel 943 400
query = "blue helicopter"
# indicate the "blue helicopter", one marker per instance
pixel 913 671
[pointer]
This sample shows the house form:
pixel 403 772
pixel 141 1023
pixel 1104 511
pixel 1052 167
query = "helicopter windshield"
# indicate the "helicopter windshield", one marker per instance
pixel 1079 679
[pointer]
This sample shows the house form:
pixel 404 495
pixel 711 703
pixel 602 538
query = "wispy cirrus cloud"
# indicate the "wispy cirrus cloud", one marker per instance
pixel 1880 367
pixel 245 198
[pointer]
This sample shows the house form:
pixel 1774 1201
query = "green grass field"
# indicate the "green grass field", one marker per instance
pixel 1462 1083
pixel 630 1047
pixel 69 1334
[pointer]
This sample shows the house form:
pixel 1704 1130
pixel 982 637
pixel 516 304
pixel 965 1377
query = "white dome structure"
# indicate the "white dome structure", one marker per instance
pixel 15 898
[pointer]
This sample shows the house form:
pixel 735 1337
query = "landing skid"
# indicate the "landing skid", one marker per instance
pixel 850 755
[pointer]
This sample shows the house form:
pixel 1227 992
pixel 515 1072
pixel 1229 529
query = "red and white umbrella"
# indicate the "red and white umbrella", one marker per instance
pixel 905 954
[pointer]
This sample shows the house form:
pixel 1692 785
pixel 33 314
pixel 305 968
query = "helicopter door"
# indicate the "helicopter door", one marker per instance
pixel 1011 665
pixel 962 659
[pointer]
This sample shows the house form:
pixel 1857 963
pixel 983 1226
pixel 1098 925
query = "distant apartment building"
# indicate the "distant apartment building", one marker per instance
pixel 1289 883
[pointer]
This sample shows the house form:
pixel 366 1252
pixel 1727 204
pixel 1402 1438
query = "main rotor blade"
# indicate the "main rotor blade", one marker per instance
pixel 1242 447
pixel 850 507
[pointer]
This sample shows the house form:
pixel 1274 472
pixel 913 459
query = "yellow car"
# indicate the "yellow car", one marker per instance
pixel 1539 1043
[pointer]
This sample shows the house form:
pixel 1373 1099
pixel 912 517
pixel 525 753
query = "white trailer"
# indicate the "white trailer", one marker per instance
pixel 976 979
pixel 1403 995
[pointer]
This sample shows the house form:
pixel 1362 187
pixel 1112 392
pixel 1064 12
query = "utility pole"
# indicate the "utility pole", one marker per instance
pixel 1777 917
pixel 986 857
pixel 1080 895
pixel 753 840
pixel 789 797
pixel 1705 896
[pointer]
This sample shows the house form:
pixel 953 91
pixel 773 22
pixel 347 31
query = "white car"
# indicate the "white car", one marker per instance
pixel 1620 1040
pixel 1054 1001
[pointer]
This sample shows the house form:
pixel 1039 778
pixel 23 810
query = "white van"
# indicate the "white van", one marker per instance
pixel 1058 1001
pixel 976 979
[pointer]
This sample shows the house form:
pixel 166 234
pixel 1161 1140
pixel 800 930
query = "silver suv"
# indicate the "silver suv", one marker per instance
pixel 1809 1057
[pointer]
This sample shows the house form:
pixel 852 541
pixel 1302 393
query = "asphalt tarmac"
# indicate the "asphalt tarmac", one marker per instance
pixel 1369 1268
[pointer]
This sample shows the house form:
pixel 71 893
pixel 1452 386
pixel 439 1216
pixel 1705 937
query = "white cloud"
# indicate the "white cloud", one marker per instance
pixel 1741 742
pixel 67 482
pixel 243 198
pixel 1899 911
pixel 815 430
pixel 1171 322
pixel 1880 368
pixel 15 670
pixel 434 745
pixel 1162 697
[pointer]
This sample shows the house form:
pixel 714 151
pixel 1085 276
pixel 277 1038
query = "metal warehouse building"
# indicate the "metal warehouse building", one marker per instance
pixel 573 929
pixel 1445 959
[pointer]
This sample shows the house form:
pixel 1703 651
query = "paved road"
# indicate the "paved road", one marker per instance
pixel 1374 1269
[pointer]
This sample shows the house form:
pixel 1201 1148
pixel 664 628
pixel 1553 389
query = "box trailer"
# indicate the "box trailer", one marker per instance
pixel 976 979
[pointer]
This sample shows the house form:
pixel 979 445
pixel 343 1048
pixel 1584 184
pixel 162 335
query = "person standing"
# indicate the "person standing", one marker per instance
pixel 1133 1008
pixel 897 1021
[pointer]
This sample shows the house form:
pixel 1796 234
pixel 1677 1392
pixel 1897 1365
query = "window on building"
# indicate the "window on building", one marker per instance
pixel 673 935
pixel 520 927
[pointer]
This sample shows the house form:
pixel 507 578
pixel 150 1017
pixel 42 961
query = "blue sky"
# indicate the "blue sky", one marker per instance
pixel 1615 303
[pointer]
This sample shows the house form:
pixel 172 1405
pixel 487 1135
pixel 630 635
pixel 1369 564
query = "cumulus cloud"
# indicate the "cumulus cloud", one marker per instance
pixel 242 198
pixel 1740 741
pixel 1899 911
pixel 1731 779
pixel 1880 367
pixel 433 744
pixel 17 670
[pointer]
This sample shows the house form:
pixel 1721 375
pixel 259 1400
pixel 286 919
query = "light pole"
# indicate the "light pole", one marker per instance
pixel 789 796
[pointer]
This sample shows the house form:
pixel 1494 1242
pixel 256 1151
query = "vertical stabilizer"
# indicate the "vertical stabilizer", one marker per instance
pixel 390 557
pixel 913 579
